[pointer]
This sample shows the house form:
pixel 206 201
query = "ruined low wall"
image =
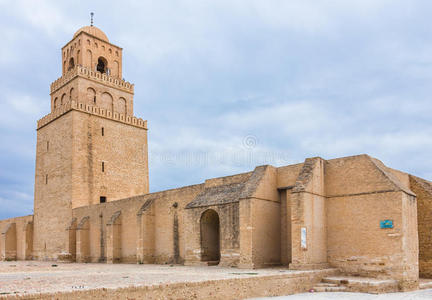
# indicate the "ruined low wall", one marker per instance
pixel 238 288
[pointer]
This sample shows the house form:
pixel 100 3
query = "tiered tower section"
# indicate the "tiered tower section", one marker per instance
pixel 90 148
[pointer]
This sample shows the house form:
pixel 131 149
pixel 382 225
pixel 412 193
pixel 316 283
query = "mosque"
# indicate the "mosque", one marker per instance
pixel 92 200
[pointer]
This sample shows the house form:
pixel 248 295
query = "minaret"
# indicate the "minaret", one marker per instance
pixel 90 148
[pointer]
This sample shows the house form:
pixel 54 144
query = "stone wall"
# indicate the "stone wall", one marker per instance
pixel 53 187
pixel 16 238
pixel 167 232
pixel 85 49
pixel 361 192
pixel 423 190
pixel 308 220
pixel 121 148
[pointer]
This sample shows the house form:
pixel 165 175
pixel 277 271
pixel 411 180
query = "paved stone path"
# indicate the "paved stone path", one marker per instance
pixel 416 295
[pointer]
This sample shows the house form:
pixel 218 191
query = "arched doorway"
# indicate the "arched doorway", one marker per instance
pixel 210 241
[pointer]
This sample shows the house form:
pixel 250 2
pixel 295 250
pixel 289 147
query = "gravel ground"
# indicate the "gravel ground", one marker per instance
pixel 417 295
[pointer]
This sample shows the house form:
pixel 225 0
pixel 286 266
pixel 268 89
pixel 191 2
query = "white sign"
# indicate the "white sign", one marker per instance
pixel 303 238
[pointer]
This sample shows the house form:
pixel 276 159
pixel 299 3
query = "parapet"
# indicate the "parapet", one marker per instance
pixel 92 110
pixel 94 75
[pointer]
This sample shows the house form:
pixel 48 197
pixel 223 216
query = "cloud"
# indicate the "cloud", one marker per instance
pixel 47 16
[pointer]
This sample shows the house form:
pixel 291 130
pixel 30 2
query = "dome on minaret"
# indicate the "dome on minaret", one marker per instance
pixel 94 31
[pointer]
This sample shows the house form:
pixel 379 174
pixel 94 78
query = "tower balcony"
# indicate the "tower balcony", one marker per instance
pixel 80 71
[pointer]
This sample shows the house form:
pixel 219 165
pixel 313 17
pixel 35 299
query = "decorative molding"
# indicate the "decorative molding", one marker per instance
pixel 80 71
pixel 92 110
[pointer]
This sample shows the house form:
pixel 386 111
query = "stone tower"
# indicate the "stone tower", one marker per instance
pixel 90 147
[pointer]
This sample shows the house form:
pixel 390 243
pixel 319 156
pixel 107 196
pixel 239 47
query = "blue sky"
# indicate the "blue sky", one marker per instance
pixel 227 85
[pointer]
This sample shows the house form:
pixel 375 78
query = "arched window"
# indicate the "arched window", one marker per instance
pixel 91 96
pixel 120 106
pixel 106 101
pixel 78 57
pixel 72 94
pixel 102 65
pixel 56 104
pixel 89 60
pixel 71 64
pixel 63 99
pixel 115 69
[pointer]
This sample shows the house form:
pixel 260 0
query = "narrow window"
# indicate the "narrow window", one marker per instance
pixel 103 131
pixel 103 166
pixel 46 179
pixel 47 145
pixel 102 199
pixel 94 99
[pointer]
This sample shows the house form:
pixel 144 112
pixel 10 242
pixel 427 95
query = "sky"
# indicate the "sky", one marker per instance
pixel 227 85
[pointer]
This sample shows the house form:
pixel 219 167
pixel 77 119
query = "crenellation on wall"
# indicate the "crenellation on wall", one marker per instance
pixel 92 110
pixel 81 71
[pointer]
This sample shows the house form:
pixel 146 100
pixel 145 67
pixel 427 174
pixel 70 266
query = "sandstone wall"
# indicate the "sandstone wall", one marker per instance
pixel 229 234
pixel 308 220
pixel 361 193
pixel 121 148
pixel 356 243
pixel 287 175
pixel 53 187
pixel 168 217
pixel 423 190
pixel 85 49
pixel 354 175
pixel 16 238
pixel 285 226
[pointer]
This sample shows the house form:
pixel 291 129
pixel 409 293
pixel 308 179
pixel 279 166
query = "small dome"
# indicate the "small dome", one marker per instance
pixel 94 31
